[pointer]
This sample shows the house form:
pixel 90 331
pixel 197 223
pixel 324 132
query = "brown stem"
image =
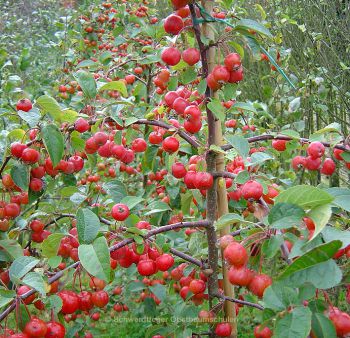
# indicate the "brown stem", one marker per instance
pixel 239 301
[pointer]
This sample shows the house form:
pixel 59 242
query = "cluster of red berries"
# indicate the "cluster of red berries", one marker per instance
pixel 236 256
pixel 231 72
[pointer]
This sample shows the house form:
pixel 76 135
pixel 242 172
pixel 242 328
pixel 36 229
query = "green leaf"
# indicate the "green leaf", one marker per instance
pixel 53 303
pixel 295 324
pixel 132 201
pixel 86 63
pixel 315 256
pixel 244 106
pixel 331 234
pixel 21 266
pixel 285 215
pixel 239 143
pixel 248 24
pixel 278 296
pixel 116 189
pixel 54 142
pixel 186 200
pixel 51 244
pixel 87 83
pixel 242 177
pixel 49 105
pixel 6 297
pixel 294 105
pixel 345 156
pixel 202 87
pixel 88 225
pixel 341 197
pixel 95 258
pixel 12 247
pixel 272 246
pixel 238 48
pixel 116 85
pixel 226 220
pixel 35 281
pixel 160 291
pixel 290 133
pixel 259 158
pixel 305 196
pixel 156 207
pixel 320 215
pixel 322 327
pixel 32 117
pixel 217 109
pixel 149 159
pixel 20 175
pixel 189 75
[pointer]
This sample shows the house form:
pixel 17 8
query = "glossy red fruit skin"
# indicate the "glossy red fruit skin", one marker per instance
pixel 100 138
pixel 259 283
pixel 191 56
pixel 38 172
pixel 315 149
pixel 164 262
pixel 146 267
pixel 223 330
pixel 178 170
pixel 37 225
pixel 328 167
pixel 170 144
pixel 12 210
pixel 24 105
pixel 179 3
pixel 139 145
pixel 120 212
pixel 36 184
pixel 203 181
pixel 100 298
pixel 78 162
pixel 236 76
pixel 70 301
pixel 30 156
pixel 170 97
pixel 312 163
pixel 173 24
pixel 298 162
pixel 17 149
pixel 260 332
pixel 232 61
pixel 81 125
pixel 341 321
pixel 252 190
pixel 155 138
pixel 197 286
pixel 279 145
pixel 171 56
pixel 236 254
pixel 193 126
pixel 35 328
pixel 240 276
pixel 55 330
pixel 221 74
pixel 85 301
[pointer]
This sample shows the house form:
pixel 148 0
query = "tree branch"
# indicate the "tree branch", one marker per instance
pixel 238 301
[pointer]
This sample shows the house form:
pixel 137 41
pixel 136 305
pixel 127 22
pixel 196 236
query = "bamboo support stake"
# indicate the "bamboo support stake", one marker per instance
pixel 216 138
